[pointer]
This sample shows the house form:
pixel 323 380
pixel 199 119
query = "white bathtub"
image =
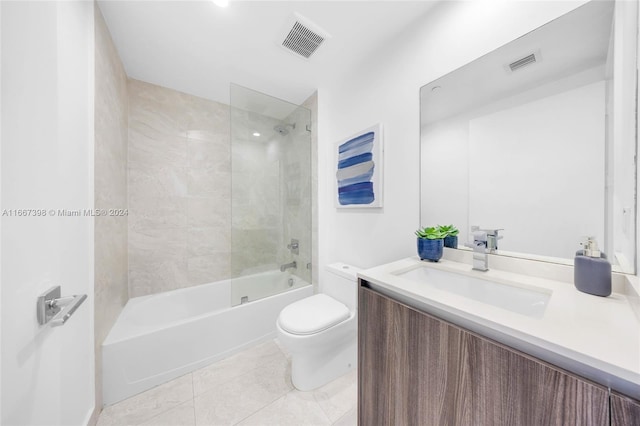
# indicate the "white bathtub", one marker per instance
pixel 163 336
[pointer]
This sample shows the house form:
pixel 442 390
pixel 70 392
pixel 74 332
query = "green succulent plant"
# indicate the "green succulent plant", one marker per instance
pixel 448 230
pixel 430 233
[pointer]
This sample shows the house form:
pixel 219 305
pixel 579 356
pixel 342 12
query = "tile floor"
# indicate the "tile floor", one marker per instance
pixel 250 388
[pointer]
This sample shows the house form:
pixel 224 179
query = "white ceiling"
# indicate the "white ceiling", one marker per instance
pixel 199 48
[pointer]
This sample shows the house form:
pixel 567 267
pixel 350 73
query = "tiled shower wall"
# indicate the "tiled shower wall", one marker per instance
pixel 271 187
pixel 179 190
pixel 256 208
pixel 111 127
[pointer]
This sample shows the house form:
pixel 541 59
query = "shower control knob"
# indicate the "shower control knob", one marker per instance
pixel 294 246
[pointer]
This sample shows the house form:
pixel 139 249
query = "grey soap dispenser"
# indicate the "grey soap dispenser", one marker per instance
pixel 592 270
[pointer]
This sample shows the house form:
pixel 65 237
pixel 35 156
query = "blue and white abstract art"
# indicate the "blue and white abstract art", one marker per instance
pixel 359 173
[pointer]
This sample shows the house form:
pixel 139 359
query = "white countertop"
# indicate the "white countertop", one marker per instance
pixel 595 337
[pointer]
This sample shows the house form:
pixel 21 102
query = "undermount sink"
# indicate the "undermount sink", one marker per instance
pixel 524 301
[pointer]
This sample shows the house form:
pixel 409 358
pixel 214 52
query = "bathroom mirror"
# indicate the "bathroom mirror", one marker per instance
pixel 538 138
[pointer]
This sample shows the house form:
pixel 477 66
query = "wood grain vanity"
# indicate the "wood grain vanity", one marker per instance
pixel 418 369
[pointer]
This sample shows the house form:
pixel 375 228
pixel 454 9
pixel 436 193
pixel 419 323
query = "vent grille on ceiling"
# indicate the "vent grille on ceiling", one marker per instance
pixel 523 62
pixel 302 40
pixel 301 37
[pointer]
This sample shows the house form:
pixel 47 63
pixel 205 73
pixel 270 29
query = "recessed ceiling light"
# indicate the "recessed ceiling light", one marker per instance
pixel 221 3
pixel 436 88
pixel 256 134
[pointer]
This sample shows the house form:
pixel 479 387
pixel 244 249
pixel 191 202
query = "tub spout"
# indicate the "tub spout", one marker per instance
pixel 286 266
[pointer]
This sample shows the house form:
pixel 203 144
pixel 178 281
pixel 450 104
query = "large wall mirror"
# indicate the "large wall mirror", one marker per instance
pixel 539 138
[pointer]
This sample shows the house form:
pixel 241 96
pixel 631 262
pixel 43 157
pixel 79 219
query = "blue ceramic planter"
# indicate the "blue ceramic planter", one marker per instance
pixel 430 250
pixel 451 241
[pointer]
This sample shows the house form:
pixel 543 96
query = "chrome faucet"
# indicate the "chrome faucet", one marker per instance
pixel 286 266
pixel 485 241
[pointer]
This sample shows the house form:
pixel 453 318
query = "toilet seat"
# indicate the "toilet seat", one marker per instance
pixel 312 315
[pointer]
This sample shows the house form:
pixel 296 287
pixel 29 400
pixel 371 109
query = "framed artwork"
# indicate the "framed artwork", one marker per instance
pixel 359 169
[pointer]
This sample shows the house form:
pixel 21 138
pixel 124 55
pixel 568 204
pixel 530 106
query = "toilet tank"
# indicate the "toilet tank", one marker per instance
pixel 342 284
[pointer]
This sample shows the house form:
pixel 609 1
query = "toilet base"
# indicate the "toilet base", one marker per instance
pixel 313 370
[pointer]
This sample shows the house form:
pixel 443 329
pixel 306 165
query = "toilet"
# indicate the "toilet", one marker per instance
pixel 320 332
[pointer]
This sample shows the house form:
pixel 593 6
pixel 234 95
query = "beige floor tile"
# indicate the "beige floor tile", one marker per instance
pixel 149 404
pixel 235 366
pixel 339 396
pixel 106 420
pixel 252 387
pixel 284 350
pixel 349 419
pixel 293 409
pixel 238 398
pixel 182 415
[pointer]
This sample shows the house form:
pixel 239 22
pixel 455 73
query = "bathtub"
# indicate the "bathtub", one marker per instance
pixel 163 336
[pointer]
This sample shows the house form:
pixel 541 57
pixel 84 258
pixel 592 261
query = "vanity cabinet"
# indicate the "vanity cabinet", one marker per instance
pixel 624 411
pixel 416 369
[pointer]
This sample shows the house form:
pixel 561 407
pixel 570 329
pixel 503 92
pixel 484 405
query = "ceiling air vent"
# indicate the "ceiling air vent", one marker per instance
pixel 524 61
pixel 302 37
pixel 527 60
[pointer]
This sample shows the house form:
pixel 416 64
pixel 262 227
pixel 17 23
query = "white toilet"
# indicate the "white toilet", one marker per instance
pixel 321 331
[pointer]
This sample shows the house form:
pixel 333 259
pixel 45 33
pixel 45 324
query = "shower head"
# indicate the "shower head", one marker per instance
pixel 282 128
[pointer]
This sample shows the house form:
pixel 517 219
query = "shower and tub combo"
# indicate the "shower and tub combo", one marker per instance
pixel 159 337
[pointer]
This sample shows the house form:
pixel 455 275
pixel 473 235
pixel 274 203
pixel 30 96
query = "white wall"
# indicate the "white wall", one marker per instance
pixel 47 163
pixel 386 89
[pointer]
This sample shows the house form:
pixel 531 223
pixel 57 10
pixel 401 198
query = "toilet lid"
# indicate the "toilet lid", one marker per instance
pixel 312 314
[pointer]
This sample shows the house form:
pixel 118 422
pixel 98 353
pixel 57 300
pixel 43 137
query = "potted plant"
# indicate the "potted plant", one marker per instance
pixel 451 235
pixel 430 243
